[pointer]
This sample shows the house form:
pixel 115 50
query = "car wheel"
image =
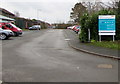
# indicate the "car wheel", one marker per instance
pixel 3 36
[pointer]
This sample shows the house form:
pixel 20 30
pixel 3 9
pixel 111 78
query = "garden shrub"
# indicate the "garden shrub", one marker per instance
pixel 91 22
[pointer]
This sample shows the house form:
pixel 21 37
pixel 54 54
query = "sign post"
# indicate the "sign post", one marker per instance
pixel 89 35
pixel 113 38
pixel 100 38
pixel 107 25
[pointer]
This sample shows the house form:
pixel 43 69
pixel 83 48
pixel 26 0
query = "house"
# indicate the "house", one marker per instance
pixel 6 16
pixel 19 21
pixel 6 13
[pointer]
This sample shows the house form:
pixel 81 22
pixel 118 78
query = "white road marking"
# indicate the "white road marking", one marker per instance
pixel 67 39
pixel 0 82
pixel 78 67
pixel 107 66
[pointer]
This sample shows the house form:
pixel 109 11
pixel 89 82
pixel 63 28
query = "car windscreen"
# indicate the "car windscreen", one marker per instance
pixel 78 27
pixel 13 25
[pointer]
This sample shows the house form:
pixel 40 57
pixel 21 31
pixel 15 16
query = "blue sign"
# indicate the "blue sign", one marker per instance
pixel 107 23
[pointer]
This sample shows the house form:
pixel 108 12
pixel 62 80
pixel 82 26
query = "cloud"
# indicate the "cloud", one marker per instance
pixel 47 10
pixel 39 0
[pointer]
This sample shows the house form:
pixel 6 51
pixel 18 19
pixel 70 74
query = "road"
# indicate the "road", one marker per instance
pixel 44 56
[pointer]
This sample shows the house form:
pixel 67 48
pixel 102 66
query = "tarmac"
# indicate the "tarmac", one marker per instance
pixel 73 41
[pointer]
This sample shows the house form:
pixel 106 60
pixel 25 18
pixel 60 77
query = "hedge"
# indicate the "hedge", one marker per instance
pixel 91 22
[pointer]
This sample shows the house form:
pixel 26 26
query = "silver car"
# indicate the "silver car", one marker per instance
pixel 35 27
pixel 5 34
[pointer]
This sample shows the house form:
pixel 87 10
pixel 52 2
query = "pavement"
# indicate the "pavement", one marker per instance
pixel 74 42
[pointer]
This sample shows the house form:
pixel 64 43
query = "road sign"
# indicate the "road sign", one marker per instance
pixel 107 25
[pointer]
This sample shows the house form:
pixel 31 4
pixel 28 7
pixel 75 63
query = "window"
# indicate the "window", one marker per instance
pixel 9 26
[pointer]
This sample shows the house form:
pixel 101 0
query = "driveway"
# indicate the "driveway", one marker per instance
pixel 44 56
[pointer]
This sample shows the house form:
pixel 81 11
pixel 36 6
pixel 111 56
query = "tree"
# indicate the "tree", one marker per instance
pixel 93 6
pixel 91 22
pixel 34 20
pixel 118 8
pixel 77 11
pixel 118 21
pixel 85 7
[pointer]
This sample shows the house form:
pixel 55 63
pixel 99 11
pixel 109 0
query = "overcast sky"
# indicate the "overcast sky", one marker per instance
pixel 51 11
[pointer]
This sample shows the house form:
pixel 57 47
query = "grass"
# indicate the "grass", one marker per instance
pixel 25 29
pixel 107 44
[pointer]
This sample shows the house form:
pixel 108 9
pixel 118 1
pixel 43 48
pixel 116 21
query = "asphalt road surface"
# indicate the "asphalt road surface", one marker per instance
pixel 44 56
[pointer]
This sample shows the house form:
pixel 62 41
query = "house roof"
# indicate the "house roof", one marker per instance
pixel 4 11
pixel 4 18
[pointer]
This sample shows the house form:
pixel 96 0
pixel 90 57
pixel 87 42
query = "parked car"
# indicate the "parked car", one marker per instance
pixel 77 29
pixel 74 27
pixel 5 34
pixel 35 27
pixel 71 27
pixel 9 26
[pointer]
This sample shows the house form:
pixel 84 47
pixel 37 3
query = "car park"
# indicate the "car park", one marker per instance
pixel 35 27
pixel 9 26
pixel 5 34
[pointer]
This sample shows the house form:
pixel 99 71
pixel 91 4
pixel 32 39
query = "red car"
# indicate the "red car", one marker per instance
pixel 77 29
pixel 6 25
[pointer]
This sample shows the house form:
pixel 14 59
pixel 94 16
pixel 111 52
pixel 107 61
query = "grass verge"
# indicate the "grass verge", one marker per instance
pixel 25 29
pixel 107 44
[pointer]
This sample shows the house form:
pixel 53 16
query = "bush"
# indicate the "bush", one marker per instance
pixel 84 33
pixel 118 27
pixel 91 22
